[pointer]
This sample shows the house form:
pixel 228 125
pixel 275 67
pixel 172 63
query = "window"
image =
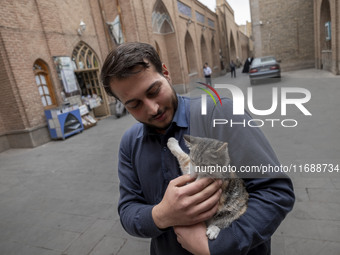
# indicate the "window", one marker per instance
pixel 184 9
pixel 161 21
pixel 44 85
pixel 328 31
pixel 211 23
pixel 87 69
pixel 199 17
pixel 83 57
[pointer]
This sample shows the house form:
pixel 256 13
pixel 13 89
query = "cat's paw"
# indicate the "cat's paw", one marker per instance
pixel 212 232
pixel 172 143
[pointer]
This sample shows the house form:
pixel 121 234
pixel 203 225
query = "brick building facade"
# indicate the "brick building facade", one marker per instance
pixel 302 34
pixel 34 32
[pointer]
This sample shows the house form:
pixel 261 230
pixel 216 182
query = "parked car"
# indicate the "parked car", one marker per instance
pixel 264 67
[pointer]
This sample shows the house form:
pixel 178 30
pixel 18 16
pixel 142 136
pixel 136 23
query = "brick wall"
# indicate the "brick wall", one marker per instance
pixel 284 29
pixel 40 29
pixel 10 113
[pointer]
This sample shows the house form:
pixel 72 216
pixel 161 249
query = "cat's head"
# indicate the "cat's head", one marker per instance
pixel 209 157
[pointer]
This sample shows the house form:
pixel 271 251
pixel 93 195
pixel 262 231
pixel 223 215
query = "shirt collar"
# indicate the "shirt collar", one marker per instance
pixel 180 117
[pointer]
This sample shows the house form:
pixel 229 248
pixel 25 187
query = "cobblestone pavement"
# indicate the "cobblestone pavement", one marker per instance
pixel 61 197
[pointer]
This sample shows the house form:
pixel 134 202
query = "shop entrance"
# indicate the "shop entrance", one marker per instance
pixel 87 73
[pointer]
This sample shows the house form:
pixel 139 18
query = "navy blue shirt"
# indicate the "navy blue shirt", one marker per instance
pixel 146 166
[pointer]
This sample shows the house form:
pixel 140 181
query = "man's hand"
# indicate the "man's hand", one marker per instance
pixel 193 238
pixel 187 204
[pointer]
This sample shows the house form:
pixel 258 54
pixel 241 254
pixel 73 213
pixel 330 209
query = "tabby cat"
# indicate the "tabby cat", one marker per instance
pixel 210 158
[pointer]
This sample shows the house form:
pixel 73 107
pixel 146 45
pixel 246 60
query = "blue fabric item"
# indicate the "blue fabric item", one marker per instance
pixel 146 166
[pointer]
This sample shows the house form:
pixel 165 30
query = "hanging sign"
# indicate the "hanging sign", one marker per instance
pixel 65 69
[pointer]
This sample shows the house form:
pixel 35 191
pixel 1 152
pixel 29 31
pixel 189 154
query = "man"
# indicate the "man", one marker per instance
pixel 233 69
pixel 207 73
pixel 155 200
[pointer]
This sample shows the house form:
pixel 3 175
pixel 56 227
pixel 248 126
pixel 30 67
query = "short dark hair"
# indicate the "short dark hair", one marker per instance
pixel 121 62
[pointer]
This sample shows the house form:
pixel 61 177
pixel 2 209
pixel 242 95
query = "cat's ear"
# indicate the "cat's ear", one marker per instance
pixel 224 147
pixel 187 139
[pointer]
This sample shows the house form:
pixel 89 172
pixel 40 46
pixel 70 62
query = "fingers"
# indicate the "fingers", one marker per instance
pixel 201 212
pixel 206 192
pixel 187 204
pixel 204 204
pixel 207 214
pixel 208 207
pixel 182 180
pixel 197 186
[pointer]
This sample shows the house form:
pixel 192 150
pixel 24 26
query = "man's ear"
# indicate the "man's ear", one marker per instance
pixel 165 70
pixel 166 73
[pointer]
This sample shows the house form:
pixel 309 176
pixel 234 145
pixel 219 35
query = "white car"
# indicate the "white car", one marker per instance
pixel 263 68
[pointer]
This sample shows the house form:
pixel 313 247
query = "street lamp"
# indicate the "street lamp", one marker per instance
pixel 189 22
pixel 81 28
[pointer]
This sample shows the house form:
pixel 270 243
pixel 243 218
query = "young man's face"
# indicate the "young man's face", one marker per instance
pixel 148 96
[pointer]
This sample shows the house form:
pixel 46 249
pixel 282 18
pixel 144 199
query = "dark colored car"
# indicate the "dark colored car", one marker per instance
pixel 263 68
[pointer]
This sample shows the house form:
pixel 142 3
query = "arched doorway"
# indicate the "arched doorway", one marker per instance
pixel 204 52
pixel 325 39
pixel 87 73
pixel 190 55
pixel 214 53
pixel 232 48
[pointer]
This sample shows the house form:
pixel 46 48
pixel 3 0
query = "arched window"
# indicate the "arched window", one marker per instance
pixel 86 63
pixel 161 21
pixel 87 70
pixel 84 57
pixel 44 85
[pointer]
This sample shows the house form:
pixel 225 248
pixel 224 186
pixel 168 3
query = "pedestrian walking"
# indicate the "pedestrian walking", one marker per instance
pixel 207 73
pixel 233 68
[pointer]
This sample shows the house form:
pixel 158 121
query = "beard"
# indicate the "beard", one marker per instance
pixel 174 105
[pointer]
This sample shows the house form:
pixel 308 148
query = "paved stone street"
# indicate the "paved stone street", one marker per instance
pixel 61 198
